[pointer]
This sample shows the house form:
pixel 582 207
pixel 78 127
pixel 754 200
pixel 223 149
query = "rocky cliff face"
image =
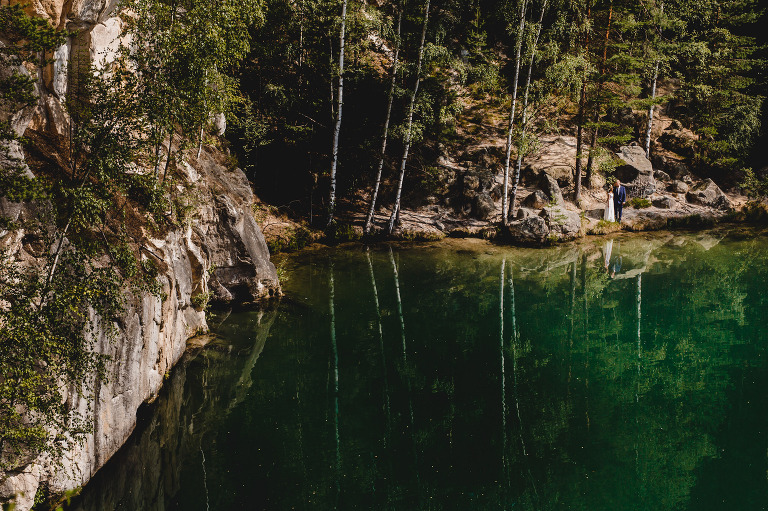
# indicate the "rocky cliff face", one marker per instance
pixel 219 254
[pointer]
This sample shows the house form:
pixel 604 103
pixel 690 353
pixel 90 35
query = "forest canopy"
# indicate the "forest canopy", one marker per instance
pixel 597 68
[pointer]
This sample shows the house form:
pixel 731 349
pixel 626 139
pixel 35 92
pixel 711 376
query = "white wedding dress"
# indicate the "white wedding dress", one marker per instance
pixel 609 214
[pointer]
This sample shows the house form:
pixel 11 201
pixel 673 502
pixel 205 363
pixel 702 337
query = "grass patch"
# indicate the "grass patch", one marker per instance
pixel 291 240
pixel 342 232
pixel 605 227
pixel 639 203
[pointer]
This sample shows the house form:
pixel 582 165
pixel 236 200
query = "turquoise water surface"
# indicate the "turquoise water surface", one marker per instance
pixel 608 375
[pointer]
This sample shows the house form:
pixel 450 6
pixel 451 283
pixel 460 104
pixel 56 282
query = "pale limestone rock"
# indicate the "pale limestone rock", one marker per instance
pixel 710 195
pixel 105 42
pixel 636 174
pixel 563 224
pixel 556 158
pixel 153 332
pixel 60 70
pixel 220 123
pixel 22 486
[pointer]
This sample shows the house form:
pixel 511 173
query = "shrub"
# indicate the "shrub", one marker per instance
pixel 639 203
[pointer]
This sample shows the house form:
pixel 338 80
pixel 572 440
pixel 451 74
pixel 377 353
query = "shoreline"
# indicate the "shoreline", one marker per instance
pixel 750 215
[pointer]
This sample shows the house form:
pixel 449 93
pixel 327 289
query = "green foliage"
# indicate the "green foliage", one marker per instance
pixel 112 164
pixel 200 300
pixel 638 203
pixel 339 232
pixel 48 338
pixel 290 241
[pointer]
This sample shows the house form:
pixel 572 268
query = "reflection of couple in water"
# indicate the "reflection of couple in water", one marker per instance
pixel 612 265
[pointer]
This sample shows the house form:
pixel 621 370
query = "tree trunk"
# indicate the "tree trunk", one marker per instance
pixel 396 207
pixel 579 139
pixel 580 129
pixel 596 117
pixel 652 107
pixel 504 198
pixel 513 344
pixel 372 209
pixel 335 362
pixel 524 124
pixel 502 371
pixel 337 127
pixel 381 345
pixel 650 113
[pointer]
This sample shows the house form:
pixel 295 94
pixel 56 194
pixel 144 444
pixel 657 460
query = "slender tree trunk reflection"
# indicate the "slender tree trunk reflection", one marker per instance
pixel 335 363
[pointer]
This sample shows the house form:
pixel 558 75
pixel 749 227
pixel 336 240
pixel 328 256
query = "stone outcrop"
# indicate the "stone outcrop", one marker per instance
pixel 551 189
pixel 484 207
pixel 563 224
pixel 552 224
pixel 636 174
pixel 554 159
pixel 664 202
pixel 678 187
pixel 536 200
pixel 218 254
pixel 710 195
pixel 145 473
pixel 221 253
pixel 531 230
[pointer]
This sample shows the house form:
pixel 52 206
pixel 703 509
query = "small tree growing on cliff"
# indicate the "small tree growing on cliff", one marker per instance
pixel 78 261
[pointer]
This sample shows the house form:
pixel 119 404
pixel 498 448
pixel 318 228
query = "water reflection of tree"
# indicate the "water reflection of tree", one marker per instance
pixel 662 396
pixel 522 382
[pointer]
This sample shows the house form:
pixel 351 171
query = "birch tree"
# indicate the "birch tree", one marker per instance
pixel 337 125
pixel 372 209
pixel 522 145
pixel 508 154
pixel 647 144
pixel 409 129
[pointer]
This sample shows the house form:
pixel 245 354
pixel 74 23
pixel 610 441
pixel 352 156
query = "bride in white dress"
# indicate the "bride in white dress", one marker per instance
pixel 609 213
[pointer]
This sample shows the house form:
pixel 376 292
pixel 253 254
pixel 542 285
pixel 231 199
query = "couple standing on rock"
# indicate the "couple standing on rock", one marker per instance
pixel 617 197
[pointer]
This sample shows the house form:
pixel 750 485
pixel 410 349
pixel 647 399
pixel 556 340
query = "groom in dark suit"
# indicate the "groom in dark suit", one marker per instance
pixel 619 198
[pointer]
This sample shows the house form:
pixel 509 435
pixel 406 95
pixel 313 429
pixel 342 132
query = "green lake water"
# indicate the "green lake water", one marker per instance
pixel 467 376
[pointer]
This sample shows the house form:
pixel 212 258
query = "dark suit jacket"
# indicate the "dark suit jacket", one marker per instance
pixel 620 195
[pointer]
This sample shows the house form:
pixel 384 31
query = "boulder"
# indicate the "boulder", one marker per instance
pixel 551 189
pixel 523 213
pixel 664 202
pixel 596 180
pixel 555 157
pixel 636 174
pixel 710 195
pixel 562 223
pixel 660 175
pixel 531 230
pixel 536 200
pixel 484 207
pixel 678 186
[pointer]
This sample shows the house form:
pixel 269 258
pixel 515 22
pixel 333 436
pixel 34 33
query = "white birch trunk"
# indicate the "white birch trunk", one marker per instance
pixel 652 107
pixel 524 123
pixel 335 361
pixel 504 198
pixel 396 207
pixel 381 345
pixel 650 113
pixel 372 209
pixel 339 104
